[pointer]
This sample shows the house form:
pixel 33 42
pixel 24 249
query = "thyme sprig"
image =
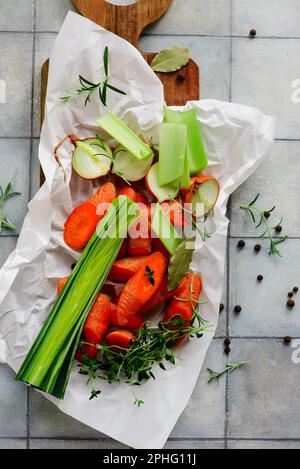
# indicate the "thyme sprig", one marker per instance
pixel 135 365
pixel 150 275
pixel 262 221
pixel 5 195
pixel 216 375
pixel 89 88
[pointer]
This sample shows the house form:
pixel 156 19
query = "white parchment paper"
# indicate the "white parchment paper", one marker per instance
pixel 236 139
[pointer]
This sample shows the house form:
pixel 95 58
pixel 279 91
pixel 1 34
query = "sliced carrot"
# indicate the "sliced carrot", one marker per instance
pixel 160 296
pixel 176 214
pixel 157 245
pixel 141 287
pixel 139 247
pixel 141 198
pixel 61 283
pixel 188 290
pixel 86 350
pixel 98 321
pixel 134 322
pixel 106 194
pixel 120 339
pixel 124 269
pixel 129 192
pixel 123 250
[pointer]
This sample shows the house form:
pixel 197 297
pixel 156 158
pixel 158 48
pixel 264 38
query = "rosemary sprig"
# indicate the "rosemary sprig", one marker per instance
pixel 152 347
pixel 216 375
pixel 263 216
pixel 88 88
pixel 5 195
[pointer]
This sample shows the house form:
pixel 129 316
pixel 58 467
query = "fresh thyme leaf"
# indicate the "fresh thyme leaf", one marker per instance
pixel 216 375
pixel 150 273
pixel 89 88
pixel 94 394
pixel 252 210
pixel 5 195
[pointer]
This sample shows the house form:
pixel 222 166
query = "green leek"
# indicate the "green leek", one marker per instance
pixel 172 149
pixel 195 147
pixel 165 231
pixel 117 129
pixel 49 362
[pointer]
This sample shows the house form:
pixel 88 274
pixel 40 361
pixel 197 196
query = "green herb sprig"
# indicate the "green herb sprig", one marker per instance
pixel 5 195
pixel 94 394
pixel 216 375
pixel 263 216
pixel 88 88
pixel 150 275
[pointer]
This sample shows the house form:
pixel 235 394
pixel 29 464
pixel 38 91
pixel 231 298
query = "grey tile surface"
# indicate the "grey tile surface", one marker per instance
pixel 212 56
pixel 13 443
pixel 268 17
pixel 44 44
pixel 204 17
pixel 35 169
pixel 15 168
pixel 263 69
pixel 16 15
pixel 50 18
pixel 263 397
pixel 277 180
pixel 7 244
pixel 264 444
pixel 16 71
pixel 13 405
pixel 204 415
pixel 74 444
pixel 195 444
pixel 264 310
pixel 46 421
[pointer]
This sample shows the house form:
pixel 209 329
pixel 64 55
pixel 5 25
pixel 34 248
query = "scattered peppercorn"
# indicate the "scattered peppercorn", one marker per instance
pixel 257 247
pixel 241 244
pixel 278 229
pixel 181 78
pixel 73 266
pixel 290 294
pixel 291 303
pixel 267 214
pixel 237 309
pixel 252 33
pixel 227 341
pixel 227 350
pixel 222 307
pixel 260 278
pixel 287 340
pixel 295 289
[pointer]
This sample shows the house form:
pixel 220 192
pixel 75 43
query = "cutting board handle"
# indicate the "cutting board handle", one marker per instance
pixel 127 21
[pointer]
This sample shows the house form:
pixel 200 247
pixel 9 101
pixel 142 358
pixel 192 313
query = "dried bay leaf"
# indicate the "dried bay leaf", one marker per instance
pixel 170 60
pixel 180 263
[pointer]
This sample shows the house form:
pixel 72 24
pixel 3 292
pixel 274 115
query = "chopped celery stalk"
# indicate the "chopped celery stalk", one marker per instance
pixel 164 229
pixel 195 147
pixel 162 193
pixel 172 149
pixel 128 166
pixel 185 182
pixel 49 362
pixel 117 129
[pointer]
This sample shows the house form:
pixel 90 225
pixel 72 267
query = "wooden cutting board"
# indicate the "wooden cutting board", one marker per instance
pixel 129 22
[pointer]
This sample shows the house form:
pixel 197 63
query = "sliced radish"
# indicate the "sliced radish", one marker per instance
pixel 206 193
pixel 161 193
pixel 90 160
pixel 128 166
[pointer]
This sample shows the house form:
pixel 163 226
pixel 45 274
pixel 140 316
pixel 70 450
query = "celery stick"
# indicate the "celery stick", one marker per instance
pixel 124 135
pixel 164 229
pixel 186 180
pixel 172 149
pixel 195 147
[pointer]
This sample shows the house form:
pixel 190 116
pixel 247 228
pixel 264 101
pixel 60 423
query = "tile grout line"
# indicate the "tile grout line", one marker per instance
pixel 34 6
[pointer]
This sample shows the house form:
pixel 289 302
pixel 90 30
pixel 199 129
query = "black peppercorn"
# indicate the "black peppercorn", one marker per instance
pixel 227 341
pixel 278 229
pixel 257 247
pixel 241 244
pixel 290 294
pixel 287 340
pixel 267 214
pixel 291 303
pixel 237 309
pixel 227 350
pixel 260 278
pixel 252 33
pixel 222 307
pixel 73 266
pixel 181 78
pixel 295 289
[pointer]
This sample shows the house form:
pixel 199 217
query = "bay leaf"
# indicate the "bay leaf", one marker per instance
pixel 180 263
pixel 170 60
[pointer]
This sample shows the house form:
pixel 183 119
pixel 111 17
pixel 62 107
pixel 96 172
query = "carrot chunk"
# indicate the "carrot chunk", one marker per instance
pixel 124 269
pixel 98 320
pixel 187 296
pixel 61 284
pixel 139 247
pixel 135 322
pixel 86 350
pixel 120 339
pixel 128 192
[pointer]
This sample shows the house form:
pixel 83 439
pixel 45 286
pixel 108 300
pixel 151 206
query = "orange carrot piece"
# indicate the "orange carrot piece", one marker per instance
pixel 139 247
pixel 157 245
pixel 80 226
pixel 86 350
pixel 160 296
pixel 128 192
pixel 123 250
pixel 61 284
pixel 98 320
pixel 120 339
pixel 106 194
pixel 135 322
pixel 141 198
pixel 124 269
pixel 141 287
pixel 184 309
